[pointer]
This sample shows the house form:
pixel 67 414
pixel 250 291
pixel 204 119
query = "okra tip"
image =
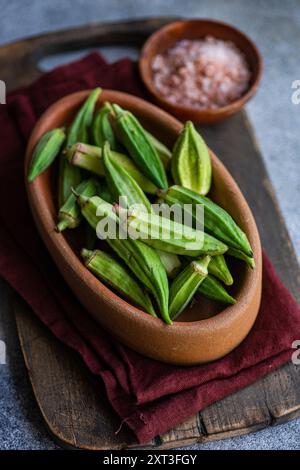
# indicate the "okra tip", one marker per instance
pixel 62 225
pixel 31 175
pixel 116 110
pixel 96 92
pixel 86 254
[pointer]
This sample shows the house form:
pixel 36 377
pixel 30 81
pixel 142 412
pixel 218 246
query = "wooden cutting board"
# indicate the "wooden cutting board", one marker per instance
pixel 71 400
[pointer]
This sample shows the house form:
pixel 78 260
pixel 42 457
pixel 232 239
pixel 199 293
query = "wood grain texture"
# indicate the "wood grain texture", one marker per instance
pixel 71 400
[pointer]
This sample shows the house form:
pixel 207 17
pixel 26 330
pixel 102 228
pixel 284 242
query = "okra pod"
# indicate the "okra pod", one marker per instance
pixel 90 157
pixel 78 131
pixel 141 259
pixel 186 284
pixel 121 183
pixel 69 215
pixel 140 148
pixel 102 129
pixel 217 221
pixel 166 235
pixel 107 269
pixel 213 289
pixel 163 152
pixel 45 152
pixel 191 165
pixel 218 268
pixel 249 260
pixel 87 157
pixel 68 177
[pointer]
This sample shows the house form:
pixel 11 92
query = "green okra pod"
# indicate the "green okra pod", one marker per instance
pixel 140 148
pixel 186 284
pixel 121 183
pixel 85 156
pixel 149 262
pixel 213 289
pixel 102 129
pixel 141 259
pixel 90 158
pixel 69 215
pixel 191 165
pixel 249 260
pixel 218 268
pixel 68 177
pixel 166 235
pixel 78 130
pixel 45 152
pixel 109 270
pixel 217 221
pixel 163 152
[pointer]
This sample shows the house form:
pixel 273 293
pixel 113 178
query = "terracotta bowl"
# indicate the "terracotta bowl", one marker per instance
pixel 205 332
pixel 165 37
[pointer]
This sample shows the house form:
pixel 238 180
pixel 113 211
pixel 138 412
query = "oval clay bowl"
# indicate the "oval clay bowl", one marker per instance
pixel 205 332
pixel 166 37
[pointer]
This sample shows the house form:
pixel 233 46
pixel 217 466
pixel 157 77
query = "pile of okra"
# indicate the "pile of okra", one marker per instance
pixel 105 154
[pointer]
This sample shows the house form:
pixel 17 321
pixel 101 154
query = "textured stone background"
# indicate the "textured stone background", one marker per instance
pixel 275 27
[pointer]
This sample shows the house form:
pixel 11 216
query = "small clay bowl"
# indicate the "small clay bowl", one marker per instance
pixel 167 36
pixel 205 332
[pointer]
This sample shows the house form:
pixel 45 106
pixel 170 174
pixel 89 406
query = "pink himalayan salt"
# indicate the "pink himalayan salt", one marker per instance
pixel 206 73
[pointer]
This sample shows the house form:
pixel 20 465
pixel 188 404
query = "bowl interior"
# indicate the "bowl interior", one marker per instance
pixel 224 192
pixel 167 36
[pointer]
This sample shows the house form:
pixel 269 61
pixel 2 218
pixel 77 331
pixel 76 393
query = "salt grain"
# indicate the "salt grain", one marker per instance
pixel 206 73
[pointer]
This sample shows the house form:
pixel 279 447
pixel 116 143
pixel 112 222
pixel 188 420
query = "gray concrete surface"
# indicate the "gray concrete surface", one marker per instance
pixel 275 27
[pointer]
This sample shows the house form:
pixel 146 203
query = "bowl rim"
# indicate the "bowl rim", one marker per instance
pixel 235 105
pixel 37 199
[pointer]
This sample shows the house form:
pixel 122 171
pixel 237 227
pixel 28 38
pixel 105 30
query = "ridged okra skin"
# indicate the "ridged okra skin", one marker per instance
pixel 140 148
pixel 186 284
pixel 190 164
pixel 69 215
pixel 141 259
pixel 79 129
pixel 101 128
pixel 216 220
pixel 218 268
pixel 90 158
pixel 249 260
pixel 109 270
pixel 45 152
pixel 163 152
pixel 68 177
pixel 121 183
pixel 170 236
pixel 213 289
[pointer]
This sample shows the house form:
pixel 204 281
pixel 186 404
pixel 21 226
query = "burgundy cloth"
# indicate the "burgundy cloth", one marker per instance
pixel 150 397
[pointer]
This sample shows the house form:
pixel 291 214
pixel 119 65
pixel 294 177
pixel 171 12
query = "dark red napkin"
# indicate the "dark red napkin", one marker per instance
pixel 150 397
